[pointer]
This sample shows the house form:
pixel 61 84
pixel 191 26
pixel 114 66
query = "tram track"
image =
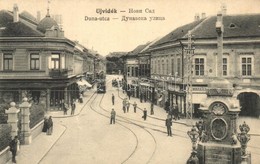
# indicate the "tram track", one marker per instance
pixel 129 121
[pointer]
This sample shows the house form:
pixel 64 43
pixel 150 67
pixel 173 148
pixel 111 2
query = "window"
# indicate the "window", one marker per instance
pixel 34 62
pixel 163 69
pixel 225 67
pixel 246 66
pixel 55 61
pixel 128 71
pixel 132 71
pixel 178 66
pixel 167 67
pixel 136 71
pixel 172 67
pixel 155 66
pixel 199 66
pixel 159 67
pixel 8 61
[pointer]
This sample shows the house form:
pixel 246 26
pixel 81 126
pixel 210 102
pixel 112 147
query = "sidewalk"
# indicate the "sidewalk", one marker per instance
pixel 79 107
pixel 159 113
pixel 35 152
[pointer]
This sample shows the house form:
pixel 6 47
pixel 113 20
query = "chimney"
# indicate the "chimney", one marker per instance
pixel 224 9
pixel 196 17
pixel 220 31
pixel 203 15
pixel 15 13
pixel 38 16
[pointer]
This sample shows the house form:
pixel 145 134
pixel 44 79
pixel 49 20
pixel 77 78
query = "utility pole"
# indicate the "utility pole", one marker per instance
pixel 189 67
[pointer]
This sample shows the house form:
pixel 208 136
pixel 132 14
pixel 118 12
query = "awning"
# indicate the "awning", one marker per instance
pixel 145 84
pixel 83 82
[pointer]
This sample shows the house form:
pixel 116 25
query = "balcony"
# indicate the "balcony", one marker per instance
pixel 59 73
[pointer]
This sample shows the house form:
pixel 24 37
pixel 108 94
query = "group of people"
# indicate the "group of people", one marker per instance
pixel 47 125
pixel 66 107
pixel 172 110
pixel 126 106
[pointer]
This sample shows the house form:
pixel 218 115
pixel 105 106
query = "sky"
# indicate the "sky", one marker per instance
pixel 116 35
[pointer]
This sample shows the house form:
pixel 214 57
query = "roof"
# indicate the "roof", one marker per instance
pixel 137 50
pixel 234 26
pixel 46 23
pixel 178 32
pixel 8 28
pixel 29 17
pixel 246 25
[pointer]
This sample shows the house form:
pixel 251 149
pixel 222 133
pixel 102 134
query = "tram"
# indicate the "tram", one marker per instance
pixel 101 86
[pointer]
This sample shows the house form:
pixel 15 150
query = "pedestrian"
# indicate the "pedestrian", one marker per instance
pixel 45 125
pixel 135 105
pixel 129 94
pixel 171 110
pixel 145 114
pixel 124 105
pixel 13 148
pixel 50 126
pixel 66 108
pixel 113 116
pixel 62 104
pixel 141 97
pixel 73 107
pixel 168 124
pixel 167 106
pixel 175 111
pixel 127 106
pixel 152 112
pixel 113 99
pixel 80 98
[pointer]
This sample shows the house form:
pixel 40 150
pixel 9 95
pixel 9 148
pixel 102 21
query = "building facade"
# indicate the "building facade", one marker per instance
pixel 168 62
pixel 240 60
pixel 37 61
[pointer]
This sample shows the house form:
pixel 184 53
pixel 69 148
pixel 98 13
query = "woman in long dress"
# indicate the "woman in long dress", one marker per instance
pixel 45 125
pixel 50 126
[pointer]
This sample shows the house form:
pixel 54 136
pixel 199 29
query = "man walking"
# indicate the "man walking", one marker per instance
pixel 135 105
pixel 168 124
pixel 113 99
pixel 127 106
pixel 13 148
pixel 152 111
pixel 145 114
pixel 113 116
pixel 73 107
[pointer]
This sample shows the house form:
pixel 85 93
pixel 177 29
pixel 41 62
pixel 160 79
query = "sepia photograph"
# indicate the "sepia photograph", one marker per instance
pixel 129 81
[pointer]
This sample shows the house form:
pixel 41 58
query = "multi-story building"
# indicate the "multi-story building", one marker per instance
pixel 240 60
pixel 37 61
pixel 132 71
pixel 168 62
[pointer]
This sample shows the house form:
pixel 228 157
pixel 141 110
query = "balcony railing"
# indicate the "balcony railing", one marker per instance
pixel 59 73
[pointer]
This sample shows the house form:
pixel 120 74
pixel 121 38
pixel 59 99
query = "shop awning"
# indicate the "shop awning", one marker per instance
pixel 145 84
pixel 83 82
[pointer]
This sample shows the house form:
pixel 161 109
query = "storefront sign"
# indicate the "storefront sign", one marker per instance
pixel 199 89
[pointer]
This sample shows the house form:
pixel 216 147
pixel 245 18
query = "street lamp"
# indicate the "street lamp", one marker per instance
pixel 194 135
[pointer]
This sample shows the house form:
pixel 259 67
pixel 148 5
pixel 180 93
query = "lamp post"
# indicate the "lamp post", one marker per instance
pixel 194 135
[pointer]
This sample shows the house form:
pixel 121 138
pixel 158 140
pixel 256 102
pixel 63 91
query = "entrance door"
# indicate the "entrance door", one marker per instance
pixel 250 104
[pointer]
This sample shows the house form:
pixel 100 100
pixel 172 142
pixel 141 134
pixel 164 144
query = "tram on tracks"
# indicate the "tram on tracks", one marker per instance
pixel 101 83
pixel 101 86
